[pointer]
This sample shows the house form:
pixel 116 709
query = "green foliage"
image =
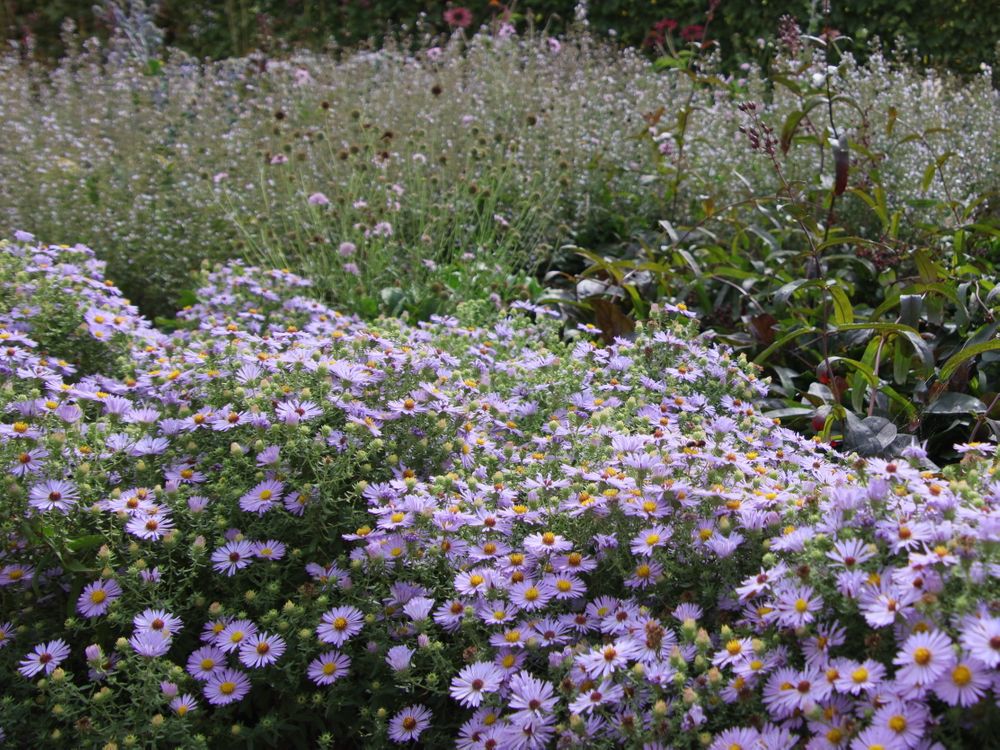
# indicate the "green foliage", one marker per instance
pixel 956 33
pixel 878 324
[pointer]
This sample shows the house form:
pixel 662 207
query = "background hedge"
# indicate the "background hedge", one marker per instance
pixel 959 34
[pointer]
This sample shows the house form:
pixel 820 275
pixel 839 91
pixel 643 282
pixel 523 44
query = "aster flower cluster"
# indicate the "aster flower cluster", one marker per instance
pixel 469 531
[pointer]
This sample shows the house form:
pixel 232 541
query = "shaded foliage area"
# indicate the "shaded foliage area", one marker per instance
pixel 959 34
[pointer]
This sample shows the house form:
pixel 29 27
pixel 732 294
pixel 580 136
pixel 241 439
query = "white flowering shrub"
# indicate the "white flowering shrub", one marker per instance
pixel 282 525
pixel 425 169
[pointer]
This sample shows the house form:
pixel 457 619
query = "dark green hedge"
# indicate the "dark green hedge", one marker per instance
pixel 959 34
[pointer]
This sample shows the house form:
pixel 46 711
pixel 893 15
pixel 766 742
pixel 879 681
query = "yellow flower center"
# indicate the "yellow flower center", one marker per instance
pixel 340 623
pixel 961 675
pixel 859 675
pixel 801 605
pixel 922 656
pixel 227 688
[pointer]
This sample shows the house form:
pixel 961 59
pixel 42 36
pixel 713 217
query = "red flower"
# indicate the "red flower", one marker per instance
pixel 692 33
pixel 664 24
pixel 460 17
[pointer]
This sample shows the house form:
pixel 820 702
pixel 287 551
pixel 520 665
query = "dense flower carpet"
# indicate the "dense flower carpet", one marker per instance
pixel 278 523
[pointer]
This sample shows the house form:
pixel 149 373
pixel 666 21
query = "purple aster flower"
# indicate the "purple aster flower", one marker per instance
pixel 606 693
pixel 736 738
pixel 529 595
pixel 855 678
pixel 14 573
pixel 206 661
pixel 269 550
pixel 28 462
pixel 226 686
pixel 151 525
pixel 53 494
pixel 981 638
pixel 293 412
pixel 409 723
pixel 261 650
pixel 234 634
pixel 329 667
pixel 157 620
pixel 183 704
pixel 796 606
pixel 46 656
pixel 419 608
pixel 6 633
pixel 923 658
pixel 469 685
pixel 528 733
pixel 530 695
pixel 96 597
pixel 340 624
pixel 964 684
pixel 399 657
pixel 150 643
pixel 233 556
pixel 876 738
pixel 262 497
pixel 603 661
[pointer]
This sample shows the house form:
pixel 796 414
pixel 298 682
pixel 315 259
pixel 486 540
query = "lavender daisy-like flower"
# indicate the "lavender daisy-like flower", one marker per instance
pixel 964 684
pixel 530 695
pixel 796 606
pixel 340 624
pixel 329 667
pixel 234 634
pixel 272 549
pixel 227 686
pixel 150 643
pixel 262 497
pixel 150 526
pixel 46 656
pixel 603 694
pixel 6 633
pixel 233 556
pixel 293 412
pixel 470 685
pixel 981 638
pixel 205 662
pixel 923 658
pixel 261 650
pixel 398 658
pixel 96 597
pixel 157 620
pixel 529 595
pixel 53 494
pixel 409 723
pixel 183 704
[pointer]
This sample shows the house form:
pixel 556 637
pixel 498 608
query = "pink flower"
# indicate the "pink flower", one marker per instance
pixel 318 199
pixel 458 17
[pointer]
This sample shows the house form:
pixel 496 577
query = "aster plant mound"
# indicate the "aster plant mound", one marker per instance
pixel 282 524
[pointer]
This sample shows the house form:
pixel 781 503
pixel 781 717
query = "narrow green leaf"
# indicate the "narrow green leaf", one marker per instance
pixel 843 312
pixel 953 363
pixel 765 355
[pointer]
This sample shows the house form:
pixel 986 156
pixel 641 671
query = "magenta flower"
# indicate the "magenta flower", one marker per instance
pixel 46 656
pixel 96 597
pixel 409 723
pixel 329 667
pixel 227 686
pixel 340 624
